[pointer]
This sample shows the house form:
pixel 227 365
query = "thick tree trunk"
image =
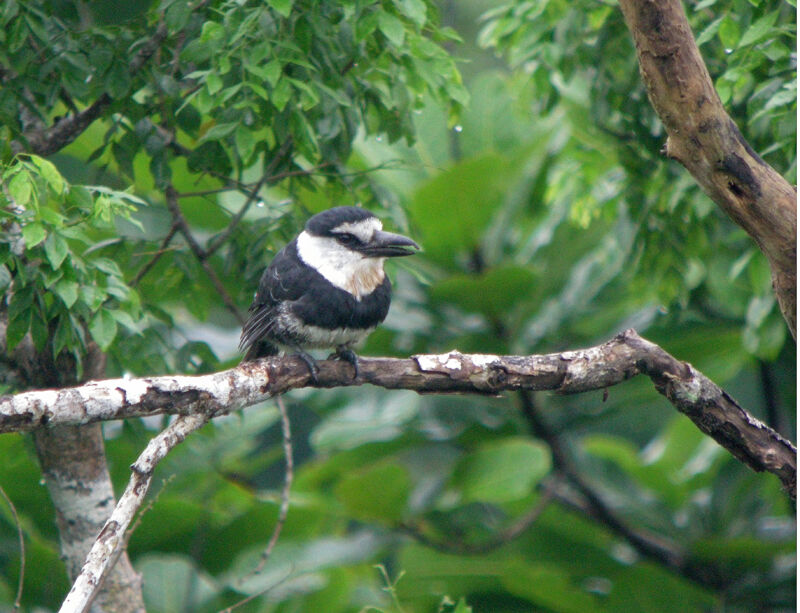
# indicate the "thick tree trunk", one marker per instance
pixel 702 137
pixel 73 462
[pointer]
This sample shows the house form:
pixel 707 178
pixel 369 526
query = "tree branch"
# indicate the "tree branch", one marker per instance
pixel 49 140
pixel 626 355
pixel 202 257
pixel 110 541
pixel 702 137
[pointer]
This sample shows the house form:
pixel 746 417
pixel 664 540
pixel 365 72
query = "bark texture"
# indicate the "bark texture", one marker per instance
pixel 709 407
pixel 703 137
pixel 73 463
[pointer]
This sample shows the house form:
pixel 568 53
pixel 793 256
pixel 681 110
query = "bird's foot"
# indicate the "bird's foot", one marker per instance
pixel 313 368
pixel 349 356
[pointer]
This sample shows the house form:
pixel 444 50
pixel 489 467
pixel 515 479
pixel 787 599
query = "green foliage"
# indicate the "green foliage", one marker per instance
pixel 549 221
pixel 58 286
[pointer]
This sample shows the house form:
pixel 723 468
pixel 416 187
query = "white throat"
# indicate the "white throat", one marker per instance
pixel 343 267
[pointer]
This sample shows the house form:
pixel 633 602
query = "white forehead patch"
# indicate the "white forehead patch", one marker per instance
pixel 343 267
pixel 362 230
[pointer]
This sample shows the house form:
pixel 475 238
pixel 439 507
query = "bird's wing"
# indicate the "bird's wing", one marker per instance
pixel 284 280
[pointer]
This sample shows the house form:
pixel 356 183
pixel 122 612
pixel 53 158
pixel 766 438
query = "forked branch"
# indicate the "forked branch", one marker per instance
pixel 709 407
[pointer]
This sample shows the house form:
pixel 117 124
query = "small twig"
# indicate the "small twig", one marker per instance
pixel 152 262
pixel 498 540
pixel 244 601
pixel 21 536
pixel 199 253
pixel 251 198
pixel 150 503
pixel 646 544
pixel 288 476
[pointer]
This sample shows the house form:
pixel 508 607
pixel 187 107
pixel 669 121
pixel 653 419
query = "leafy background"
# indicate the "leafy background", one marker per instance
pixel 516 144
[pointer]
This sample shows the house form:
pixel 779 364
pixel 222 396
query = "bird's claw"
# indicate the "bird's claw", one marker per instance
pixel 349 356
pixel 313 368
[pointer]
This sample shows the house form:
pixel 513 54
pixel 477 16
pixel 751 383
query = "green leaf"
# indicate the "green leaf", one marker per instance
pixel 281 94
pixel 17 329
pixel 33 234
pixel 709 31
pixel 103 328
pixel 66 290
pixel 272 72
pixel 118 80
pixel 729 32
pixel 219 131
pixel 392 28
pixel 415 10
pixel 5 278
pixel 39 330
pixel 49 173
pixel 56 249
pixel 109 267
pixel 283 7
pixel 20 187
pixel 124 318
pixel 213 83
pixel 502 471
pixel 80 197
pixel 245 142
pixel 52 217
pixel 759 30
pixel 21 301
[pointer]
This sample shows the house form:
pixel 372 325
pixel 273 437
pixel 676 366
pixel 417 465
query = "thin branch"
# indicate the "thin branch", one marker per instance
pixel 288 476
pixel 503 537
pixel 152 262
pixel 67 129
pixel 647 544
pixel 110 542
pixel 199 253
pixel 711 409
pixel 21 537
pixel 217 242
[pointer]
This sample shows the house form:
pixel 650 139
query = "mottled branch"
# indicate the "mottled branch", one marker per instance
pixel 703 137
pixel 110 542
pixel 596 368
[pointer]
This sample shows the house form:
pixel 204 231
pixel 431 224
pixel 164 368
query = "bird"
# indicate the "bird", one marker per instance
pixel 327 288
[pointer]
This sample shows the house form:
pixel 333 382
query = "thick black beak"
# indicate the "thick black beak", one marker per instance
pixel 388 245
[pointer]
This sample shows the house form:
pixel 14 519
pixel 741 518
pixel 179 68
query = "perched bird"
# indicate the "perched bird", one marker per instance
pixel 326 288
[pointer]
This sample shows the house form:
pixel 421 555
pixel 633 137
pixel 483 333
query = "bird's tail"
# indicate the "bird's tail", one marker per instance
pixel 260 349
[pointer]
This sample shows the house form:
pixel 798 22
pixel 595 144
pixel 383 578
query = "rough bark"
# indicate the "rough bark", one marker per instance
pixel 596 368
pixel 702 137
pixel 74 466
pixel 109 546
pixel 73 463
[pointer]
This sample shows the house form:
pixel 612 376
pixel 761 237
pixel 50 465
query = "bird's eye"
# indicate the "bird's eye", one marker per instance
pixel 347 238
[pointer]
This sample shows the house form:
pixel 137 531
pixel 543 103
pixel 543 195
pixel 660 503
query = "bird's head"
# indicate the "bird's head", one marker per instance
pixel 347 245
